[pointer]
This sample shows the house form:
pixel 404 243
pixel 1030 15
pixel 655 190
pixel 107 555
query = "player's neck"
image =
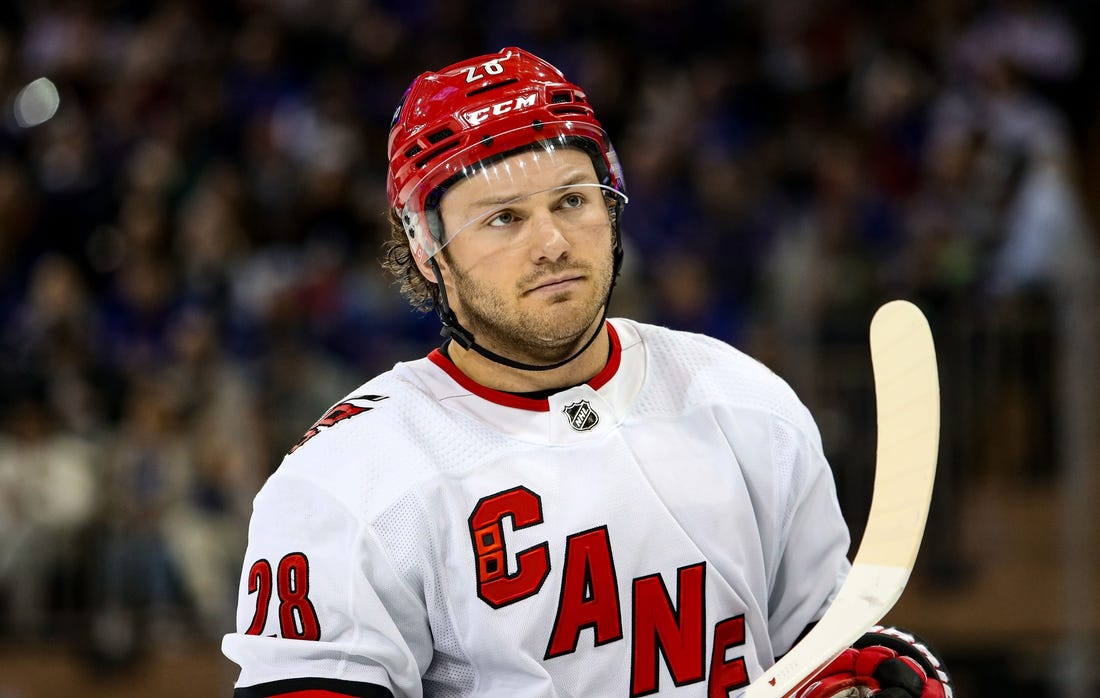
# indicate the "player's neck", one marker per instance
pixel 513 380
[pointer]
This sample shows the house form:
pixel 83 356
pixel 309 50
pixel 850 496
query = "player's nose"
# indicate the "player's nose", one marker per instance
pixel 548 237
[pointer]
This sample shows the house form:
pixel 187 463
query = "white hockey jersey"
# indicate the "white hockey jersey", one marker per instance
pixel 670 526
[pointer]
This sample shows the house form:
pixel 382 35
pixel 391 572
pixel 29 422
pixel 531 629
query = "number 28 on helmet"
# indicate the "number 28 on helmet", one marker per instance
pixel 468 118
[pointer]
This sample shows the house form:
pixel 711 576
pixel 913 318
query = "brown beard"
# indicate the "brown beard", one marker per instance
pixel 522 334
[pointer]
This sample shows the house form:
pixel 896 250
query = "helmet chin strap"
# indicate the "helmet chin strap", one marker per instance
pixel 453 329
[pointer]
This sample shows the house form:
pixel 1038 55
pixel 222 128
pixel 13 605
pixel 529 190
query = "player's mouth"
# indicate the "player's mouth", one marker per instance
pixel 556 284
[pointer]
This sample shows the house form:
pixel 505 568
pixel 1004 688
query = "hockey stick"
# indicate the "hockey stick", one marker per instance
pixel 908 409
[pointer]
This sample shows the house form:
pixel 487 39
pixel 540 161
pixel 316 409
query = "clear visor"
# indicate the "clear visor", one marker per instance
pixel 503 197
pixel 578 206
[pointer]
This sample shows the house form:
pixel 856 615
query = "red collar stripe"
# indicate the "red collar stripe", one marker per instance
pixel 518 401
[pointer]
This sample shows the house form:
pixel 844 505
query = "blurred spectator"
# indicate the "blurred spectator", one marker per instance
pixel 212 240
pixel 48 494
pixel 1010 64
pixel 53 335
pixel 137 313
pixel 149 474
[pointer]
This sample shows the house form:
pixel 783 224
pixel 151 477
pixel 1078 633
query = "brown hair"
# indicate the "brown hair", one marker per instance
pixel 398 260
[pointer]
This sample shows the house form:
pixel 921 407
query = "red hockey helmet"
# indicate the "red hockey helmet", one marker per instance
pixel 452 122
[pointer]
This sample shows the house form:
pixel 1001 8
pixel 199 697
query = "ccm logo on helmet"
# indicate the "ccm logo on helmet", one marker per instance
pixel 477 116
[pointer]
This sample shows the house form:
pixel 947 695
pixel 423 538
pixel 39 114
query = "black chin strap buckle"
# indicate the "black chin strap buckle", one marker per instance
pixel 459 334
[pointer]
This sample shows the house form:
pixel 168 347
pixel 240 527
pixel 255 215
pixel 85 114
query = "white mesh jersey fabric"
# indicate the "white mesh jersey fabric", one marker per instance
pixel 610 539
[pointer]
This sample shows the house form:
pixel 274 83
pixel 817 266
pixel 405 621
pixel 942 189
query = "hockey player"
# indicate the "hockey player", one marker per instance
pixel 552 503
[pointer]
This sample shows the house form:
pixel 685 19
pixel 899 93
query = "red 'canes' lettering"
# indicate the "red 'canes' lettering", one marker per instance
pixel 494 585
pixel 589 593
pixel 677 632
pixel 726 676
pixel 589 598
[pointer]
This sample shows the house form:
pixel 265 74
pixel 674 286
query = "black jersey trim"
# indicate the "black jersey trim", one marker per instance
pixel 318 687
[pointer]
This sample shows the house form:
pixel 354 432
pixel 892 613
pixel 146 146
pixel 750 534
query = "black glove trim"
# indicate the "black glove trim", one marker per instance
pixel 896 674
pixel 906 644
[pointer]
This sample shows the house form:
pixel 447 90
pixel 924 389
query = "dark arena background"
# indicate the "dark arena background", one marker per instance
pixel 192 203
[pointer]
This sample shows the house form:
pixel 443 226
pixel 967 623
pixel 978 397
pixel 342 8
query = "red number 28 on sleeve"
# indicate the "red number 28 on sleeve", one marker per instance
pixel 297 616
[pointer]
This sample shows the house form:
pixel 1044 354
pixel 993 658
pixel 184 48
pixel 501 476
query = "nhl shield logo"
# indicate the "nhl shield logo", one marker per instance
pixel 581 415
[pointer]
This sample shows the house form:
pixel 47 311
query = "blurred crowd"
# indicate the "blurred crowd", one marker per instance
pixel 189 246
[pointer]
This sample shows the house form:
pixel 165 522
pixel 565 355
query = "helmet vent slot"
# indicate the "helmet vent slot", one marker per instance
pixel 435 153
pixel 559 97
pixel 568 109
pixel 493 86
pixel 440 135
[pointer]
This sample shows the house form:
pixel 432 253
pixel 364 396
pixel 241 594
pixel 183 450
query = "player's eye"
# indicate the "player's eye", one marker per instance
pixel 573 200
pixel 500 219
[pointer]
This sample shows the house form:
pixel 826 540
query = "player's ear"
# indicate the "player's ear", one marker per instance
pixel 427 269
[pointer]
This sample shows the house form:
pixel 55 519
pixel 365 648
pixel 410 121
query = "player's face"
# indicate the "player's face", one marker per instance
pixel 529 264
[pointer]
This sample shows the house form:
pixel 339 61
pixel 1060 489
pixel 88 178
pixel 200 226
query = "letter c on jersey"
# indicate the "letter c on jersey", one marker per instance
pixel 494 585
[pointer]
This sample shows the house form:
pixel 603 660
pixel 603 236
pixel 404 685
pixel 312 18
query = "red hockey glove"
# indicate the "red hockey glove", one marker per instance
pixel 886 662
